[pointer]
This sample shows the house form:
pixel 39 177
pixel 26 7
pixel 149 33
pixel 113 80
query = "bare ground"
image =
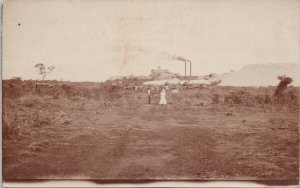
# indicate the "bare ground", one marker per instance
pixel 82 140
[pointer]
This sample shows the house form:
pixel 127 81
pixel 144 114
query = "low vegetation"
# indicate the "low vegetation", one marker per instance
pixel 113 124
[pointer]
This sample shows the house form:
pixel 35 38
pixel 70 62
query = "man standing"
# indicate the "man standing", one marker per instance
pixel 149 95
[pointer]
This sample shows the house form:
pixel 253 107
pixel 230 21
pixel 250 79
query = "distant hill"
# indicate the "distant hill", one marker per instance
pixel 261 75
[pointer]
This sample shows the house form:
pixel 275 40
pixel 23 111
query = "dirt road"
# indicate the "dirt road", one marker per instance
pixel 157 142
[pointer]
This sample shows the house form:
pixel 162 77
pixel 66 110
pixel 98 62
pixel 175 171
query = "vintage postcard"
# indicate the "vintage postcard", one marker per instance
pixel 115 91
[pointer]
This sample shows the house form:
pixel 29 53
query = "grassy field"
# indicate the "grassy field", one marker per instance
pixel 217 133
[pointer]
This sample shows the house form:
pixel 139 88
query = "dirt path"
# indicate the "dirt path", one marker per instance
pixel 160 143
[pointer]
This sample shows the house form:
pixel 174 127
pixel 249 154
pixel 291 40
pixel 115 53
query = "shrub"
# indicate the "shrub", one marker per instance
pixel 216 99
pixel 267 99
pixel 232 99
pixel 284 82
pixel 260 99
pixel 12 90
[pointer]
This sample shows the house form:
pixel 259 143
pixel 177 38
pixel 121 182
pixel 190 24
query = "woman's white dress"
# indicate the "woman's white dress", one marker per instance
pixel 163 97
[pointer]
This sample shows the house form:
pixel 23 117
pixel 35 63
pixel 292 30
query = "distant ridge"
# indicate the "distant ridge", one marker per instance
pixel 261 75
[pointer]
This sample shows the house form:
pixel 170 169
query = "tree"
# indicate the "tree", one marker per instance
pixel 43 70
pixel 284 82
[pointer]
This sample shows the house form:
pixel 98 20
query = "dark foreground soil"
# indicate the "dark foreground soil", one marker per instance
pixel 81 139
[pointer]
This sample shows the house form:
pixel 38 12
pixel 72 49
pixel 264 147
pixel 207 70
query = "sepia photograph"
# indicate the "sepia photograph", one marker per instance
pixel 141 91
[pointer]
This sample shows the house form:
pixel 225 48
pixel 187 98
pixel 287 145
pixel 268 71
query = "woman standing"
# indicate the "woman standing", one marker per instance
pixel 163 100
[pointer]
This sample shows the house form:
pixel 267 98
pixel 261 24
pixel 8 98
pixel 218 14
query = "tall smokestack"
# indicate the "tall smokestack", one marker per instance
pixel 190 68
pixel 174 57
pixel 185 68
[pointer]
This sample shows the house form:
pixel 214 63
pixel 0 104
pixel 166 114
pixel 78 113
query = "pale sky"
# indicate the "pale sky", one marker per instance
pixel 91 40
